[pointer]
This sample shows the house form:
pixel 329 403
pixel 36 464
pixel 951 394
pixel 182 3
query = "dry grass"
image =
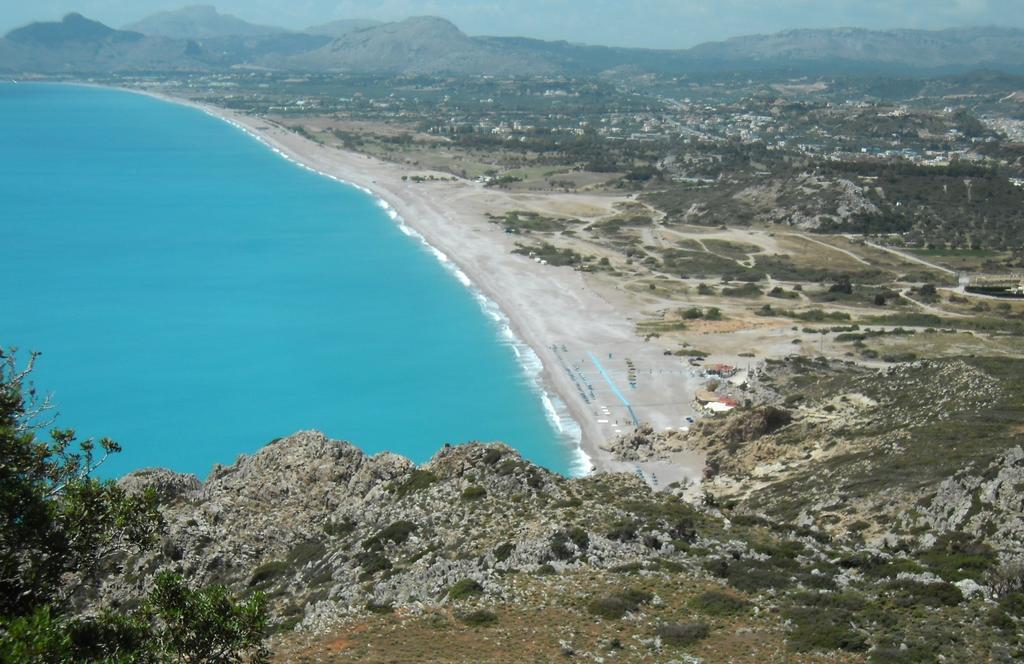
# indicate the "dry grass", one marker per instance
pixel 550 616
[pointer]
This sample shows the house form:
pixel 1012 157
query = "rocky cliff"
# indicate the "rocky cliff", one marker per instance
pixel 479 555
pixel 322 526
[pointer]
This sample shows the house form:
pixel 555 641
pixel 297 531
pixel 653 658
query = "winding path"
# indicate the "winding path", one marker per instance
pixel 832 247
pixel 906 256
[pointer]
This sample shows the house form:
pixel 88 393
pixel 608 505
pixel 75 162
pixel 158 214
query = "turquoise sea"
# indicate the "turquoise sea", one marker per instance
pixel 195 296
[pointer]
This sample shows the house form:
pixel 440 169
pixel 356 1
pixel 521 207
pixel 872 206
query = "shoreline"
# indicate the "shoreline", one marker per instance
pixel 557 407
pixel 551 315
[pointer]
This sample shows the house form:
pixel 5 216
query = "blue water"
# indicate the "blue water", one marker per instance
pixel 195 295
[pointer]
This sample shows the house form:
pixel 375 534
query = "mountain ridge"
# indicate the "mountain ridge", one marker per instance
pixel 76 43
pixel 341 27
pixel 198 22
pixel 433 45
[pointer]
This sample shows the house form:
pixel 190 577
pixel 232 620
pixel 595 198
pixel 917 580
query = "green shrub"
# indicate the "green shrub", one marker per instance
pixel 492 456
pixel 816 628
pixel 502 552
pixel 623 531
pixel 560 543
pixel 267 571
pixel 635 597
pixel 546 570
pixel 418 480
pixel 670 566
pixel 899 357
pixel 628 568
pixel 750 576
pixel 748 520
pixel 718 603
pixel 371 562
pixel 891 569
pixel 464 588
pixel 683 634
pixel 956 556
pixel 510 466
pixel 380 607
pixel 671 514
pixel 1013 603
pixel 472 493
pixel 1001 620
pixel 60 521
pixel 907 593
pixel 780 548
pixel 304 552
pixel 616 606
pixel 746 290
pixel 780 292
pixel 479 618
pixel 692 313
pixel 398 533
pixel 340 528
pixel 611 607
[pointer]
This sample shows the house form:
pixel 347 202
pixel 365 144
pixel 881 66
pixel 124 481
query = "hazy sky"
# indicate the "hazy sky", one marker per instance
pixel 651 23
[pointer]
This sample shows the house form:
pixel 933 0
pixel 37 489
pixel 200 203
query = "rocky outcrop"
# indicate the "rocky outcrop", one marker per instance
pixel 988 502
pixel 168 485
pixel 324 528
pixel 643 444
pixel 742 426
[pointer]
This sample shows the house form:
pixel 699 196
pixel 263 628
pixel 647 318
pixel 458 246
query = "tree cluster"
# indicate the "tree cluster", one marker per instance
pixel 57 525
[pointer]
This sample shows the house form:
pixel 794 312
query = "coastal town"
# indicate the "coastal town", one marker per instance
pixel 827 118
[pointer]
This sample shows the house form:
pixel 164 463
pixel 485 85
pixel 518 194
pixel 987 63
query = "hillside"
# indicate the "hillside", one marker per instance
pixel 335 29
pixel 77 44
pixel 199 22
pixel 372 558
pixel 74 28
pixel 913 49
pixel 420 45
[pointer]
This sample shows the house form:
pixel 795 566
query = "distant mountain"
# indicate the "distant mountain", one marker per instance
pixel 420 45
pixel 340 28
pixel 433 45
pixel 263 50
pixel 75 28
pixel 199 22
pixel 77 44
pixel 920 50
pixel 841 50
pixel 199 38
pixel 584 59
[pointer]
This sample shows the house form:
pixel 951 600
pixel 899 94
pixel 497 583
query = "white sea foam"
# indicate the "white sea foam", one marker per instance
pixel 555 409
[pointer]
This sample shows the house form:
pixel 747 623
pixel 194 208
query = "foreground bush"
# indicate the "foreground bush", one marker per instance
pixel 58 523
pixel 683 634
pixel 618 605
pixel 718 603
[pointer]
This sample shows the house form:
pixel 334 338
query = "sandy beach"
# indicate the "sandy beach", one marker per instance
pixel 582 330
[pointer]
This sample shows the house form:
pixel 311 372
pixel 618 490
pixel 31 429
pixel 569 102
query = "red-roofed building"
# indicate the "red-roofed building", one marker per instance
pixel 721 370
